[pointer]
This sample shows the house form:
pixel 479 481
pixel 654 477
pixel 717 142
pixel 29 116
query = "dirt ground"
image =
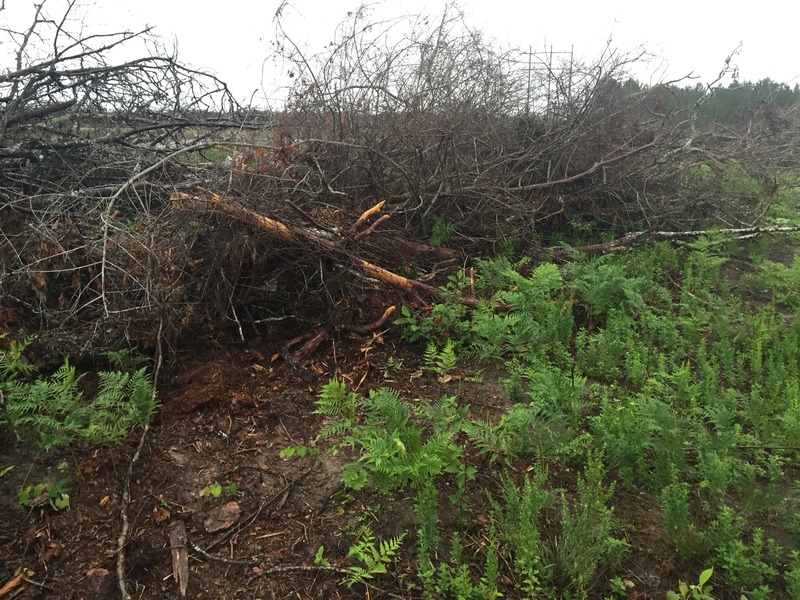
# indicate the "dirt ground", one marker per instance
pixel 226 413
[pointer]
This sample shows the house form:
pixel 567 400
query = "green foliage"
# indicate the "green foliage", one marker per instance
pixel 792 575
pixel 453 579
pixel 518 523
pixel 374 556
pixel 604 286
pixel 126 359
pixel 653 360
pixel 319 557
pixel 441 231
pixel 50 411
pixel 390 440
pixel 699 591
pixel 781 281
pixel 335 401
pixel 441 361
pixel 298 450
pixel 675 503
pixel 445 321
pixel 56 494
pixel 586 539
pixel 523 429
pixel 394 365
pixel 425 509
pixel 215 489
pixel 13 364
pixel 123 400
pixel 746 566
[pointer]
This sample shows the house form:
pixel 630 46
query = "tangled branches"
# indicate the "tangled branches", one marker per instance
pixel 488 145
pixel 89 150
pixel 458 142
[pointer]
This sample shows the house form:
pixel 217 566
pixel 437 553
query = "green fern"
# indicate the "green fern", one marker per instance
pixel 334 399
pixel 375 557
pixel 50 411
pixel 13 365
pixel 518 523
pixel 126 359
pixel 604 286
pixel 336 402
pixel 441 361
pixel 46 410
pixel 395 446
pixel 124 400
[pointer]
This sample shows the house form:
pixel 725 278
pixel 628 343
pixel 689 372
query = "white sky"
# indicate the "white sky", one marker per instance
pixel 232 39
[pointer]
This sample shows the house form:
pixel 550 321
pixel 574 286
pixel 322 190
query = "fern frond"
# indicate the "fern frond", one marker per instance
pixel 337 428
pixel 385 407
pixel 429 356
pixel 334 399
pixel 447 359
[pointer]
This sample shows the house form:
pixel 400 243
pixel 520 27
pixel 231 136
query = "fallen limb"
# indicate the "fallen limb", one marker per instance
pixel 370 327
pixel 298 235
pixel 10 585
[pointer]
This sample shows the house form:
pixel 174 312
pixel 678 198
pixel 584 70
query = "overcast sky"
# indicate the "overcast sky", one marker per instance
pixel 232 39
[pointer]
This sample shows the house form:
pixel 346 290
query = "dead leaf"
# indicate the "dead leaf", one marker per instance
pixel 160 514
pixel 54 550
pixel 448 378
pixel 180 555
pixel 101 581
pixel 256 354
pixel 222 518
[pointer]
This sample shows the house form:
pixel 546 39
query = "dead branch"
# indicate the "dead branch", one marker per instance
pixel 633 240
pixel 298 235
pixel 179 544
pixel 366 215
pixel 371 228
pixel 122 540
pixel 370 327
pixel 606 161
